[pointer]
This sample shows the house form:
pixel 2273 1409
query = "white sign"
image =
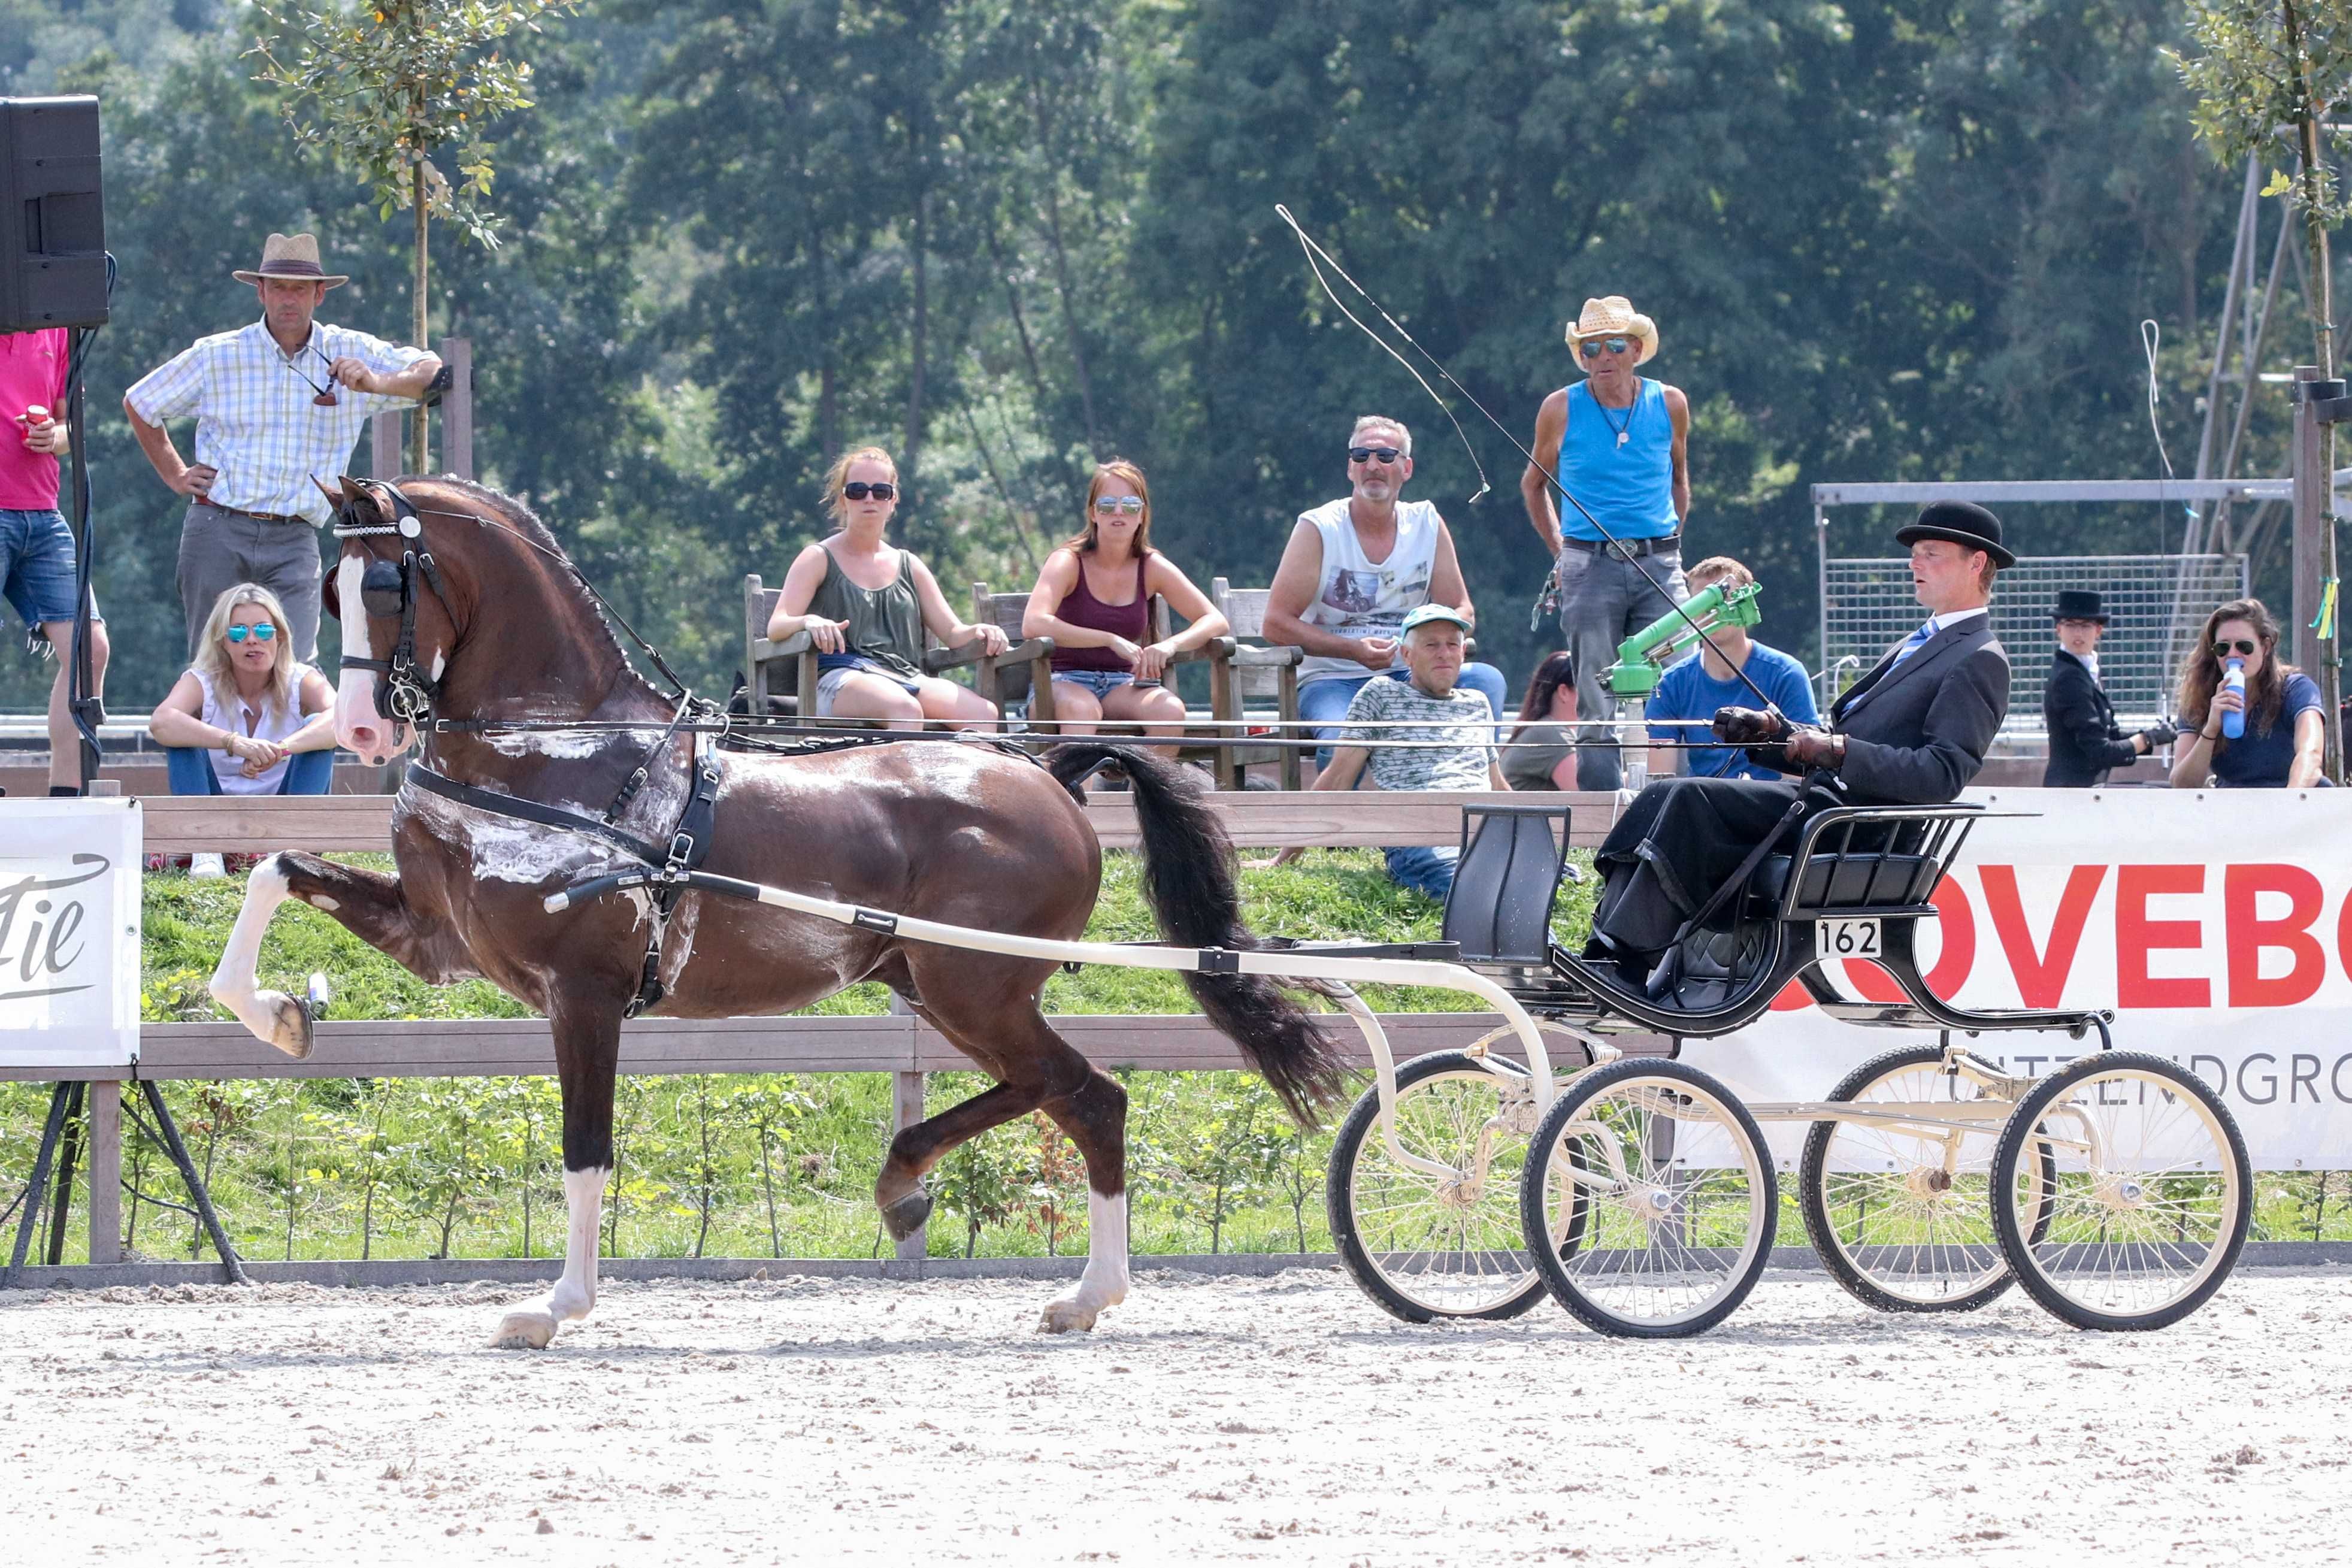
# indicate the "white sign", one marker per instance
pixel 70 933
pixel 2218 924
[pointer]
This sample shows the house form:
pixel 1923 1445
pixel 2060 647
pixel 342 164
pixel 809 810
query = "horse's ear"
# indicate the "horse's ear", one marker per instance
pixel 337 496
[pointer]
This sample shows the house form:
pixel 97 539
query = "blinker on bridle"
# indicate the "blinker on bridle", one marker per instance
pixel 405 694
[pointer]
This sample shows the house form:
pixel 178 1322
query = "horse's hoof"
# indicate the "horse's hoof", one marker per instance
pixel 906 1217
pixel 528 1329
pixel 1060 1317
pixel 291 1026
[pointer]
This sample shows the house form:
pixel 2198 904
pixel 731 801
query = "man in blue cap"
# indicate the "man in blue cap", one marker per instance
pixel 1450 730
pixel 1912 732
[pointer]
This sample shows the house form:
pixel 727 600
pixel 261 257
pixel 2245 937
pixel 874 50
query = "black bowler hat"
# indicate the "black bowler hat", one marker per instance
pixel 2079 604
pixel 1962 522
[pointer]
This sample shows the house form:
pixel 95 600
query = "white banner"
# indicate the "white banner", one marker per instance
pixel 70 933
pixel 2217 924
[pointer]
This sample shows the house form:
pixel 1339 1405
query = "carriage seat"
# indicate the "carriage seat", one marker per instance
pixel 1860 879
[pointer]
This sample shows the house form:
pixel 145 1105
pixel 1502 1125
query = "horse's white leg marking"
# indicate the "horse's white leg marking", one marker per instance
pixel 534 1327
pixel 272 1016
pixel 1104 1284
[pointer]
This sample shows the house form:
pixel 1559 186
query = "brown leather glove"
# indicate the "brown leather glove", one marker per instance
pixel 1748 726
pixel 1808 748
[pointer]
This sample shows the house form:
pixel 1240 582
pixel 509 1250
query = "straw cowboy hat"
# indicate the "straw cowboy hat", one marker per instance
pixel 1614 316
pixel 291 256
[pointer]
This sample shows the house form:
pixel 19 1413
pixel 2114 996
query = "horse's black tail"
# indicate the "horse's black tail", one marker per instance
pixel 1188 875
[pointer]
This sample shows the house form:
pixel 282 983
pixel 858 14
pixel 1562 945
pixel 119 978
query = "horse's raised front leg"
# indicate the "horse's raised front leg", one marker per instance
pixel 370 905
pixel 1096 1119
pixel 587 1052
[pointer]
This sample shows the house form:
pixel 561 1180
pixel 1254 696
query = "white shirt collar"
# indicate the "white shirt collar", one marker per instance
pixel 1954 618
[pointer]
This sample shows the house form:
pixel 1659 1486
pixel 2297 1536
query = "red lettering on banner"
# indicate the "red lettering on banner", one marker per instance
pixel 2041 976
pixel 2136 936
pixel 2248 935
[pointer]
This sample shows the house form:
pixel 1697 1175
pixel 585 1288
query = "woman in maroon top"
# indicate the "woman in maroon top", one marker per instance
pixel 1094 599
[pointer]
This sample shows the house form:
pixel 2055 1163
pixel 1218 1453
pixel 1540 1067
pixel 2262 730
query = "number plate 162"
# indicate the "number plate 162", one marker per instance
pixel 1846 939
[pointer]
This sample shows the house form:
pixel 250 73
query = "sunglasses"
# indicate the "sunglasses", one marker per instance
pixel 262 631
pixel 2245 648
pixel 1590 347
pixel 858 490
pixel 324 396
pixel 1373 453
pixel 1131 505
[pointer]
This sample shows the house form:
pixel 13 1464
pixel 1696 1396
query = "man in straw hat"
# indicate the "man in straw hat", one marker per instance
pixel 1619 443
pixel 278 405
pixel 1912 732
pixel 2086 742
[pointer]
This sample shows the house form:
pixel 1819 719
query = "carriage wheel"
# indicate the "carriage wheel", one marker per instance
pixel 1662 1178
pixel 1901 1217
pixel 1428 1246
pixel 2148 1198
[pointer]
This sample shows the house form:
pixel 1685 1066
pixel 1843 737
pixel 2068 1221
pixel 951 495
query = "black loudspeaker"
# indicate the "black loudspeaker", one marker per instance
pixel 52 215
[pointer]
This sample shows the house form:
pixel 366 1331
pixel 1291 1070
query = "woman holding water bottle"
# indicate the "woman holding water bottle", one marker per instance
pixel 2248 722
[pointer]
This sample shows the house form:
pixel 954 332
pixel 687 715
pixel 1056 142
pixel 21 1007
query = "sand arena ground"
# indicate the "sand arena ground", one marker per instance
pixel 1275 1420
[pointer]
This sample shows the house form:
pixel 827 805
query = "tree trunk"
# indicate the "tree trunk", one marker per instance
pixel 417 455
pixel 828 395
pixel 915 368
pixel 2322 333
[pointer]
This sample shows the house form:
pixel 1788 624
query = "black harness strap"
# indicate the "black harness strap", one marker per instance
pixel 689 844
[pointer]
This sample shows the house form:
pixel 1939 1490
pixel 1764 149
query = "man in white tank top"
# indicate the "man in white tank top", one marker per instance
pixel 1353 569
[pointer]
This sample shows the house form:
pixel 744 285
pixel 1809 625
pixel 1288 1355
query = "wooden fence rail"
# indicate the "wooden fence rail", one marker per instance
pixel 1310 819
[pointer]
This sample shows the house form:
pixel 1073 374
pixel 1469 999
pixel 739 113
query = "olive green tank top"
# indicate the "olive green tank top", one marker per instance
pixel 886 624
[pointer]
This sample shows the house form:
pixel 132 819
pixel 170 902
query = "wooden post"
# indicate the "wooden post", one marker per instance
pixel 105 1171
pixel 457 407
pixel 384 454
pixel 906 1109
pixel 2311 498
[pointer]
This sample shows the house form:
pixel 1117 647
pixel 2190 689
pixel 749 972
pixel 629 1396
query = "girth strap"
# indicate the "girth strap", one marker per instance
pixel 489 800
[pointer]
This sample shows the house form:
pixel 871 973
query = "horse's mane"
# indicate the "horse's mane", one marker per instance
pixel 515 514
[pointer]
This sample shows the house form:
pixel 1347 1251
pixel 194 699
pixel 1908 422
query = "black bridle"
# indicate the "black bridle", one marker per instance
pixel 405 694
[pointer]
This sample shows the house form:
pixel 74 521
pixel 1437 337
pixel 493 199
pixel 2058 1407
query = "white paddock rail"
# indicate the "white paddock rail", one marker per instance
pixel 1291 963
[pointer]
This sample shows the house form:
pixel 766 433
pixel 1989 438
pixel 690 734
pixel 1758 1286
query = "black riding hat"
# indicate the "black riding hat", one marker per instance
pixel 1962 522
pixel 2079 604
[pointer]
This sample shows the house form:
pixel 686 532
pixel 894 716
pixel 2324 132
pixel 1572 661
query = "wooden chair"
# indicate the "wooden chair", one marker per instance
pixel 770 669
pixel 1022 672
pixel 1252 668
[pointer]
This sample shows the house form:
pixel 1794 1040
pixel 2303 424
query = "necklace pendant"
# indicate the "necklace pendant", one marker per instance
pixel 1623 436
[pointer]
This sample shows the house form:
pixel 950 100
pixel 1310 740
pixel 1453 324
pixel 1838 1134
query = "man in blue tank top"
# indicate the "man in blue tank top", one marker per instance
pixel 1620 444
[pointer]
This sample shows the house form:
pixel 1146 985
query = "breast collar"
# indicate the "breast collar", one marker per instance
pixel 690 841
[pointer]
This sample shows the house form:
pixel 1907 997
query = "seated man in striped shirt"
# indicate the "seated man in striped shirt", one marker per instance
pixel 277 405
pixel 1451 728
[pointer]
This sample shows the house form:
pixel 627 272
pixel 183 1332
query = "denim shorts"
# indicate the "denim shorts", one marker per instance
pixel 37 565
pixel 828 684
pixel 1101 682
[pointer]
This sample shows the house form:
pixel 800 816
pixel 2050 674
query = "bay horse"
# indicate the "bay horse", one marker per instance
pixel 482 621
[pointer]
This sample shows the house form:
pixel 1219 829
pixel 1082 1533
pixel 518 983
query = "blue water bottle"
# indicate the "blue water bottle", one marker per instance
pixel 2233 719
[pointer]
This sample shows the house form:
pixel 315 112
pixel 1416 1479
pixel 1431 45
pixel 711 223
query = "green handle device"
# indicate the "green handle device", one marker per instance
pixel 1641 658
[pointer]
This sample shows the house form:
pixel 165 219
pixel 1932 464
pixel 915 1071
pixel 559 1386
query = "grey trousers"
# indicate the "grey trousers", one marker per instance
pixel 218 550
pixel 1604 601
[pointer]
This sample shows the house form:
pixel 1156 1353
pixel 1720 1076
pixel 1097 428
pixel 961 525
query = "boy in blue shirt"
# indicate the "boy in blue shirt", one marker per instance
pixel 1695 687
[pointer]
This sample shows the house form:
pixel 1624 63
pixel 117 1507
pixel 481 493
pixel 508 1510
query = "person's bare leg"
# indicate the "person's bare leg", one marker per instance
pixel 863 696
pixel 1159 710
pixel 1076 709
pixel 958 705
pixel 65 741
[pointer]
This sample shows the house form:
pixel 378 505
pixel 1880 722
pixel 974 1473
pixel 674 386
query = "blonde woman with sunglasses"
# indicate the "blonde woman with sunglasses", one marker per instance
pixel 1094 599
pixel 247 717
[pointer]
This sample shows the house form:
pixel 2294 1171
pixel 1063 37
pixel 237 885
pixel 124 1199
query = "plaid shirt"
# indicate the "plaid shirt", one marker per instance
pixel 255 421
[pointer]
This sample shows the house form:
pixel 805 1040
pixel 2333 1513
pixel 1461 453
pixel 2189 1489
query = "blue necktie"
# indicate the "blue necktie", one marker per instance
pixel 1911 645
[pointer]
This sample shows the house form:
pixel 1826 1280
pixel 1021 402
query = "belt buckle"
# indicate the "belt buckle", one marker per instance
pixel 1621 549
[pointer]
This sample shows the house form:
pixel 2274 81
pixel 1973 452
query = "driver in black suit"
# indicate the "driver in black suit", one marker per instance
pixel 1912 732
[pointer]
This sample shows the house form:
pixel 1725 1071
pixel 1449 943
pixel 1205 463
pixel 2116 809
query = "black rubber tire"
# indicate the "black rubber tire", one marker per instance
pixel 2018 1246
pixel 1356 1140
pixel 1812 1196
pixel 1534 1221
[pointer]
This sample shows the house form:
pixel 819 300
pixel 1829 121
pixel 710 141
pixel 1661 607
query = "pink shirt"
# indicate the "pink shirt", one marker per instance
pixel 32 371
